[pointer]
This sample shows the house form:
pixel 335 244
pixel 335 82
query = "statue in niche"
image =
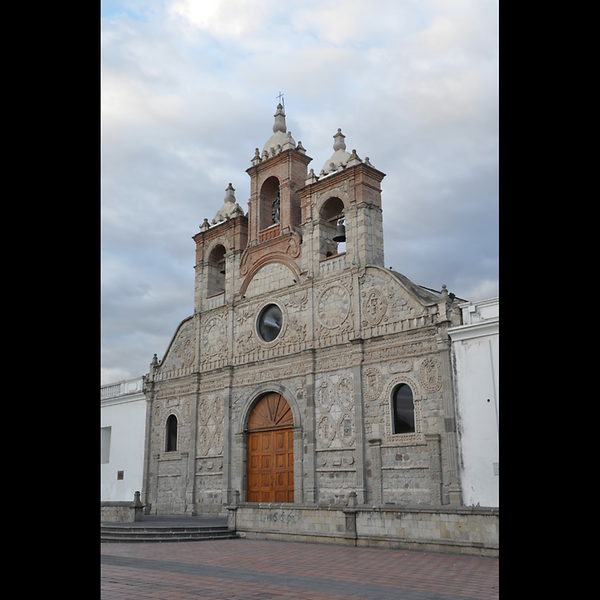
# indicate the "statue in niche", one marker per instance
pixel 275 208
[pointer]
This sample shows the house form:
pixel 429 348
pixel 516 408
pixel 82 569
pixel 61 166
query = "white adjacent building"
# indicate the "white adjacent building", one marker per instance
pixel 475 346
pixel 122 438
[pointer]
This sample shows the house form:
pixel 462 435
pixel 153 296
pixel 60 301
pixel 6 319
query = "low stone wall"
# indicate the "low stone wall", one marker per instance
pixel 452 529
pixel 122 512
pixel 457 529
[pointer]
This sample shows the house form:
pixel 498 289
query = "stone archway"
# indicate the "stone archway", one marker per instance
pixel 270 450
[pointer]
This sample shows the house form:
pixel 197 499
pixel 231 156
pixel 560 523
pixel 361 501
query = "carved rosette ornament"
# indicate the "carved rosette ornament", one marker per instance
pixel 189 353
pixel 333 306
pixel 213 338
pixel 374 307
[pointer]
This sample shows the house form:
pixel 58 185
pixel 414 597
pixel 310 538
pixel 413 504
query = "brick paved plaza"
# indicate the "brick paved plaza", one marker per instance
pixel 241 569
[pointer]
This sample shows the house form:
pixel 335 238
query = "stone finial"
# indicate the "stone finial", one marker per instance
pixel 289 142
pixel 205 225
pixel 340 156
pixel 230 194
pixel 230 208
pixel 279 136
pixel 354 159
pixel 338 141
pixel 312 178
pixel 279 124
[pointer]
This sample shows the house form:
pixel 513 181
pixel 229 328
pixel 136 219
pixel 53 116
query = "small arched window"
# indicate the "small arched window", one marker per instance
pixel 216 271
pixel 403 409
pixel 332 228
pixel 270 203
pixel 171 434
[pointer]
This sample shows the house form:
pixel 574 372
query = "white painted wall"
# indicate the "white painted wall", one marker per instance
pixel 123 410
pixel 475 346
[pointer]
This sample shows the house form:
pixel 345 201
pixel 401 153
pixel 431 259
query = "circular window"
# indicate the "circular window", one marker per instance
pixel 269 322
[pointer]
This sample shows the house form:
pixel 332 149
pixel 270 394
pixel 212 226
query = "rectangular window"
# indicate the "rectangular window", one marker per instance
pixel 104 445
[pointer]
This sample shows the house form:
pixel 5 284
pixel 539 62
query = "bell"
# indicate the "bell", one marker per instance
pixel 340 234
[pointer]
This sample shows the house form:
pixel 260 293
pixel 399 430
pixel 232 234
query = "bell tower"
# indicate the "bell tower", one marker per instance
pixel 274 211
pixel 343 203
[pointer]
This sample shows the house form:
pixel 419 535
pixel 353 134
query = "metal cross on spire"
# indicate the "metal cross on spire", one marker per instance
pixel 281 100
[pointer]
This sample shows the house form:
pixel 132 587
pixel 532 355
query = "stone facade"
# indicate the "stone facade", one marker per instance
pixel 350 332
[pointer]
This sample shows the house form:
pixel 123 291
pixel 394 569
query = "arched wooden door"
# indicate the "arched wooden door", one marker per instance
pixel 271 451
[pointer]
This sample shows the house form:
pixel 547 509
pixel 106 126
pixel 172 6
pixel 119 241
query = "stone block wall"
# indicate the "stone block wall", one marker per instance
pixel 121 512
pixel 449 529
pixel 304 523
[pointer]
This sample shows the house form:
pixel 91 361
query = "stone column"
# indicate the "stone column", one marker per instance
pixel 359 455
pixel 239 470
pixel 350 532
pixel 232 510
pixel 376 471
pixel 227 435
pixel 435 468
pixel 154 493
pixel 310 493
pixel 186 486
pixel 148 387
pixel 190 493
pixel 454 492
pixel 298 466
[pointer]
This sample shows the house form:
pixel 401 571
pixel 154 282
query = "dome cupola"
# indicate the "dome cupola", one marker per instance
pixel 280 135
pixel 339 157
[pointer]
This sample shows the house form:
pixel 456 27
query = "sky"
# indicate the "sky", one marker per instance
pixel 189 89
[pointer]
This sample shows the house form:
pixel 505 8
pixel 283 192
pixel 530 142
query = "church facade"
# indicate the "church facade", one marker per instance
pixel 309 371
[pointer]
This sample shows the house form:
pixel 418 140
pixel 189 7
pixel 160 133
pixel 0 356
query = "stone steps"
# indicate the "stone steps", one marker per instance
pixel 185 533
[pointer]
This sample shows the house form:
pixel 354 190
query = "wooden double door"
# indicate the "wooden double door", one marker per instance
pixel 271 451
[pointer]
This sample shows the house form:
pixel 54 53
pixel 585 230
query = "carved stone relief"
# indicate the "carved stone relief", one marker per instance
pixel 181 353
pixel 333 306
pixel 431 375
pixel 214 338
pixel 374 306
pixel 210 425
pixel 372 383
pixel 335 412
